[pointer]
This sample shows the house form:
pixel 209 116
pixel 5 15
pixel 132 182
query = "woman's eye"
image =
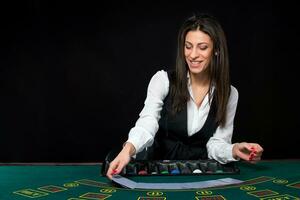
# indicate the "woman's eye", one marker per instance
pixel 188 46
pixel 203 47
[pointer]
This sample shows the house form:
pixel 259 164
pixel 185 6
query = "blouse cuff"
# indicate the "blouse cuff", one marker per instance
pixel 139 136
pixel 230 155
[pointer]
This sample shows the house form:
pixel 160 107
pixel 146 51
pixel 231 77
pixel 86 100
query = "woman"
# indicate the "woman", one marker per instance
pixel 189 112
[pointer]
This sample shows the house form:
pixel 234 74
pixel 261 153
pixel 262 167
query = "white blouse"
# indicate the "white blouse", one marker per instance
pixel 142 135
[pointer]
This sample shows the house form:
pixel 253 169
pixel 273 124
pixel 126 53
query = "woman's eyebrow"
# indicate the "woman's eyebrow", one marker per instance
pixel 197 43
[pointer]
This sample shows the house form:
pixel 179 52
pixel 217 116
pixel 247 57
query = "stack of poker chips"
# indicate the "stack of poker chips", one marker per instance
pixel 177 167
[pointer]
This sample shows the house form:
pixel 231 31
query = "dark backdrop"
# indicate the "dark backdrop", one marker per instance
pixel 74 74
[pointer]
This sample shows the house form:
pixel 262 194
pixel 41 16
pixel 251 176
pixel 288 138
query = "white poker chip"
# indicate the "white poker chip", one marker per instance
pixel 197 171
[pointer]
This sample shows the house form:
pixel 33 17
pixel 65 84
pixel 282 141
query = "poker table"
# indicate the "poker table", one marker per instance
pixel 266 180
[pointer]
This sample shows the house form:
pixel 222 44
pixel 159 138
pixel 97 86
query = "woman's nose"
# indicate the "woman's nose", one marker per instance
pixel 194 54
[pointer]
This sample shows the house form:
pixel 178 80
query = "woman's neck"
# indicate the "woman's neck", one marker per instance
pixel 200 80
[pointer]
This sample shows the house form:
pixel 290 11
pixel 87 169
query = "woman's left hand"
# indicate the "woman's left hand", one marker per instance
pixel 250 152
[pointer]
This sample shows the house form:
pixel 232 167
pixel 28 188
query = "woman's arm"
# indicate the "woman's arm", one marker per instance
pixel 143 133
pixel 219 146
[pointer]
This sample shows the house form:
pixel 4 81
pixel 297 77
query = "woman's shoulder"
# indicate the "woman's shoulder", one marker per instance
pixel 161 73
pixel 234 94
pixel 233 89
pixel 159 82
pixel 161 76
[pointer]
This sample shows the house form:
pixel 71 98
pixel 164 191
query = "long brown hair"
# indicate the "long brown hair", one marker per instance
pixel 218 69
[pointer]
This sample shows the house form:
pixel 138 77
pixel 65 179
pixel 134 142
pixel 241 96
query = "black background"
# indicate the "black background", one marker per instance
pixel 74 74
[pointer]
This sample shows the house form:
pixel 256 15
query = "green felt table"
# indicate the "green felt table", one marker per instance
pixel 266 180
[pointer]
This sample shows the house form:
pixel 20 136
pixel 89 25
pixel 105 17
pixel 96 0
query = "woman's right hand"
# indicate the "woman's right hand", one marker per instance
pixel 122 159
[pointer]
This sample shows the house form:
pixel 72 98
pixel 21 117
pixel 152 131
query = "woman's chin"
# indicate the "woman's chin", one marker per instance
pixel 196 70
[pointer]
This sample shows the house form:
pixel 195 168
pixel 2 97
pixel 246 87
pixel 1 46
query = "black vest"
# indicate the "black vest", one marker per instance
pixel 172 141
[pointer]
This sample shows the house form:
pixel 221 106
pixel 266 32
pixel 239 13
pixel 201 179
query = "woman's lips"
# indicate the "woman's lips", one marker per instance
pixel 195 63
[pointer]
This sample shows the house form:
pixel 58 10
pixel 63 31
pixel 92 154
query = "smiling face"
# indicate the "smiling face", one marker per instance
pixel 198 51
